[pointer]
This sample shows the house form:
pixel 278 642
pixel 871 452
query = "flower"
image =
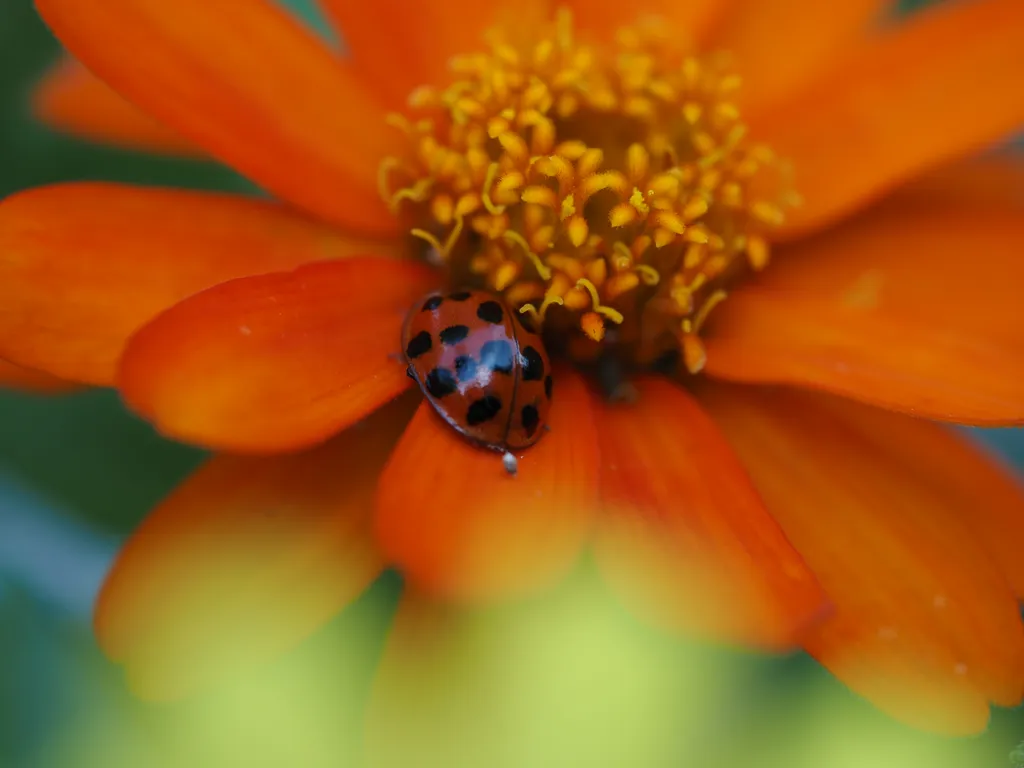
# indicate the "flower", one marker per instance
pixel 785 460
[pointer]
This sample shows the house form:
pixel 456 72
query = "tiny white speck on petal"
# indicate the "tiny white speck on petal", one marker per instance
pixel 939 601
pixel 245 330
pixel 960 669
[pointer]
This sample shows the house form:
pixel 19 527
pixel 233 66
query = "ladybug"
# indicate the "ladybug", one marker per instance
pixel 481 370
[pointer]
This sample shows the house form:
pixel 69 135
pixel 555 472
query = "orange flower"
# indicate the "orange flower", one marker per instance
pixel 786 458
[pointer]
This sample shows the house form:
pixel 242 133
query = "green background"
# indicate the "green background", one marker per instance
pixel 92 470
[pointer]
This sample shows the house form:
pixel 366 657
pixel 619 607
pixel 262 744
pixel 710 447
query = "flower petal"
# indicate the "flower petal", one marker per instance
pixel 943 84
pixel 276 362
pixel 25 379
pixel 925 623
pixel 70 98
pixel 781 45
pixel 992 181
pixel 912 309
pixel 83 265
pixel 987 496
pixel 398 45
pixel 456 523
pixel 251 86
pixel 690 20
pixel 244 560
pixel 686 536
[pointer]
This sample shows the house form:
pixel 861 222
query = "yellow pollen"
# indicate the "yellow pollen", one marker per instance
pixel 592 326
pixel 616 182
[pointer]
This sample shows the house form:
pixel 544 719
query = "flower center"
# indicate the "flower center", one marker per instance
pixel 610 193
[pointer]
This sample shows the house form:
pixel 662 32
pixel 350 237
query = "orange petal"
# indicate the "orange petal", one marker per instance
pixel 82 266
pixel 911 309
pixel 992 181
pixel 987 496
pixel 686 536
pixel 244 560
pixel 943 84
pixel 70 98
pixel 457 523
pixel 781 45
pixel 398 45
pixel 25 379
pixel 251 86
pixel 925 624
pixel 381 39
pixel 690 20
pixel 276 362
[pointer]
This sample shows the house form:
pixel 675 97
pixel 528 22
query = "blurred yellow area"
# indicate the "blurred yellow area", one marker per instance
pixel 567 680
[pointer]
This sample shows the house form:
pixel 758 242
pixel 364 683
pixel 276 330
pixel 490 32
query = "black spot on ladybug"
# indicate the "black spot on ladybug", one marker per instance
pixel 548 384
pixel 418 345
pixel 497 356
pixel 440 382
pixel 491 312
pixel 533 365
pixel 453 334
pixel 459 295
pixel 483 410
pixel 433 303
pixel 465 368
pixel 531 419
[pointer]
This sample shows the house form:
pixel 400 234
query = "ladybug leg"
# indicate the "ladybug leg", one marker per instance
pixel 410 372
pixel 510 462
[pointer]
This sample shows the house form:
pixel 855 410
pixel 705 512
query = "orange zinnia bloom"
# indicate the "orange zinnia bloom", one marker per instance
pixel 595 170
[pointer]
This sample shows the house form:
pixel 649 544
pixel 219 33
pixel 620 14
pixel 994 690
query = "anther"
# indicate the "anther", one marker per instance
pixel 757 252
pixel 612 314
pixel 593 326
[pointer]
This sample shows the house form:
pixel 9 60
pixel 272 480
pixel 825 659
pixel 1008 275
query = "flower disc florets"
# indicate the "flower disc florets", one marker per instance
pixel 609 193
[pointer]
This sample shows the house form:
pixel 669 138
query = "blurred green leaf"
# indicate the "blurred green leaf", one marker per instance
pixel 86 452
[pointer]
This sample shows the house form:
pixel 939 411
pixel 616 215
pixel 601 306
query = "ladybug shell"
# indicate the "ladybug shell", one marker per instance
pixel 483 372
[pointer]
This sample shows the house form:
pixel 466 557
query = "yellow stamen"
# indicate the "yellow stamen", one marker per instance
pixel 694 355
pixel 705 309
pixel 587 174
pixel 614 315
pixel 648 274
pixel 538 315
pixel 432 241
pixel 485 195
pixel 540 266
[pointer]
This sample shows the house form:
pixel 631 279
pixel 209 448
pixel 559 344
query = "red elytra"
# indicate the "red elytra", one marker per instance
pixel 481 370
